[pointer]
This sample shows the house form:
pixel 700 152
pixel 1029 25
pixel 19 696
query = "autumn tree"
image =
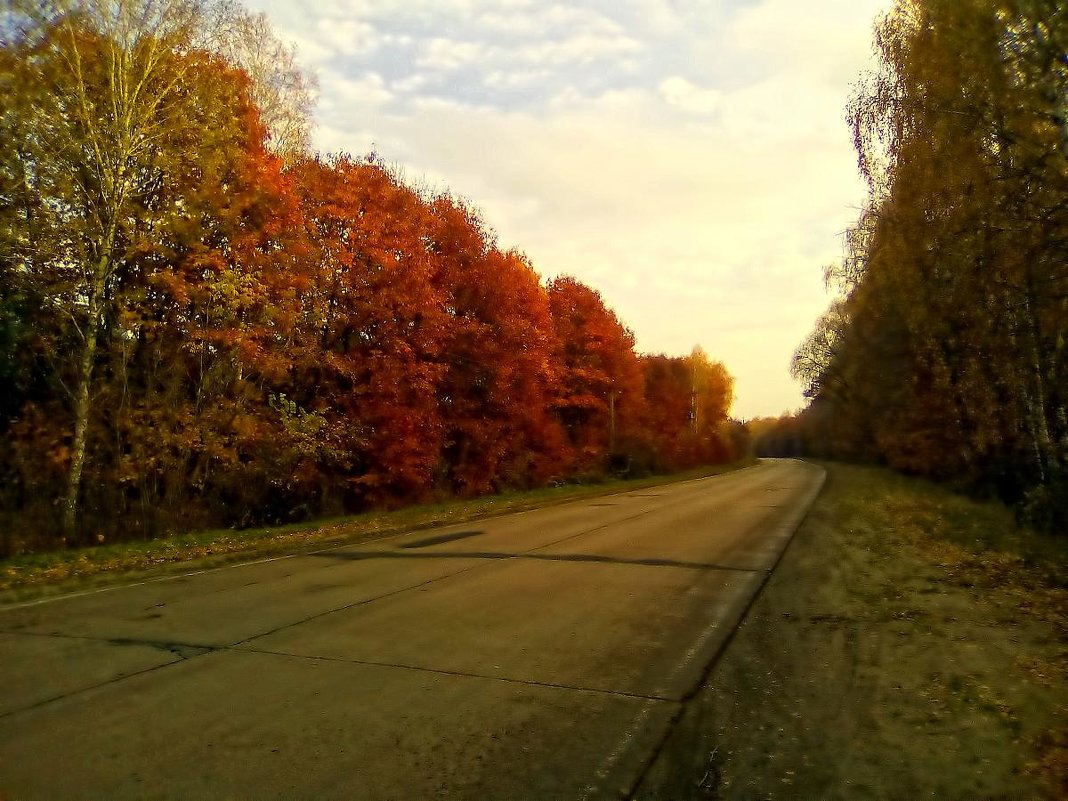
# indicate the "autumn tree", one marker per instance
pixel 112 106
pixel 668 417
pixel 600 392
pixel 282 92
pixel 500 375
pixel 209 307
pixel 202 325
pixel 368 360
pixel 782 436
pixel 687 401
pixel 815 358
pixel 712 390
pixel 950 361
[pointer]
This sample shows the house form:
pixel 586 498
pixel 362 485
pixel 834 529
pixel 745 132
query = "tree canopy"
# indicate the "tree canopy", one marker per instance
pixel 202 323
pixel 946 354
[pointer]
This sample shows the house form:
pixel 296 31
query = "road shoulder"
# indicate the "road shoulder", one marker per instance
pixel 902 649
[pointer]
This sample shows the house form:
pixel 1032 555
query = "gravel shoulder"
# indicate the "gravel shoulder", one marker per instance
pixel 911 644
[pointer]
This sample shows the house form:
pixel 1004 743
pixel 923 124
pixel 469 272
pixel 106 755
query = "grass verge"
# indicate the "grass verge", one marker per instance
pixel 36 575
pixel 911 644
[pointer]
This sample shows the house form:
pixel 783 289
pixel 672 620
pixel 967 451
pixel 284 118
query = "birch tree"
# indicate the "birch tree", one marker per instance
pixel 104 101
pixel 957 282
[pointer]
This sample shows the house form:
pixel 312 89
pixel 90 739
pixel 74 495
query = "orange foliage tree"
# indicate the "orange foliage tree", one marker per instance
pixel 500 373
pixel 200 325
pixel 150 254
pixel 687 404
pixel 600 397
pixel 368 355
pixel 945 355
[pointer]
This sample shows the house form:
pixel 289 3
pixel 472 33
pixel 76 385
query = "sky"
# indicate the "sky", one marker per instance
pixel 689 159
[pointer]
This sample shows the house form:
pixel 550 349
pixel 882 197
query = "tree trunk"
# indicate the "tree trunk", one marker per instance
pixel 81 413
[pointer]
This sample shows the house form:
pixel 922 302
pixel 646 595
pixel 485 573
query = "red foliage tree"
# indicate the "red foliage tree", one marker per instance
pixel 687 401
pixel 499 378
pixel 368 358
pixel 600 399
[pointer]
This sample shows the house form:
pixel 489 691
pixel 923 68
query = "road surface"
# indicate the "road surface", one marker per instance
pixel 534 655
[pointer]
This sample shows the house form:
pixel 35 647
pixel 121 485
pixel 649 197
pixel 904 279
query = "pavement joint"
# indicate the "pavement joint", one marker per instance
pixel 186 651
pixel 547 557
pixel 359 554
pixel 354 604
pixel 179 658
pixel 461 674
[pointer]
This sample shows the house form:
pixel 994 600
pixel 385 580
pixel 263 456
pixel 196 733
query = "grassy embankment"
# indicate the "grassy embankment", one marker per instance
pixel 911 644
pixel 33 575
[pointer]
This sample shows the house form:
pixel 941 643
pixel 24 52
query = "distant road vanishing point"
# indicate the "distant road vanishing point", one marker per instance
pixel 534 655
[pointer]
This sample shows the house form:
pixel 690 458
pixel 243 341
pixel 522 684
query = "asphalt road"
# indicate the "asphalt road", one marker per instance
pixel 539 655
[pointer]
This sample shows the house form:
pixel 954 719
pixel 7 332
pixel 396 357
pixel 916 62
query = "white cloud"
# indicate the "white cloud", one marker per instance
pixel 661 16
pixel 349 36
pixel 688 159
pixel 447 54
pixel 310 50
pixel 829 39
pixel 580 48
pixel 680 92
pixel 412 84
pixel 340 92
pixel 518 79
pixel 688 245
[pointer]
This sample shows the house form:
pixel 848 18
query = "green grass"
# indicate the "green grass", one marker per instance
pixel 913 643
pixel 33 575
pixel 1014 583
pixel 977 544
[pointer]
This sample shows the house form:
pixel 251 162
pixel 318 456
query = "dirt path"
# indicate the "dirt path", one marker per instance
pixel 910 645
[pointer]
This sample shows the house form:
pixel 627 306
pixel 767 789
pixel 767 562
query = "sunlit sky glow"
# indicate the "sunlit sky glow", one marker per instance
pixel 688 159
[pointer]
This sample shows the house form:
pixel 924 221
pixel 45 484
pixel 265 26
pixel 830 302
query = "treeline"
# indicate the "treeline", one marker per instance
pixel 947 355
pixel 202 325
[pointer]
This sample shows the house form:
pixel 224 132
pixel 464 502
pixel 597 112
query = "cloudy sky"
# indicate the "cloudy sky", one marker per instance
pixel 687 158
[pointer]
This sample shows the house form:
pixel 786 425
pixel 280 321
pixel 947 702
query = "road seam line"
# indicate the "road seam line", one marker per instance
pixel 170 646
pixel 550 557
pixel 456 673
pixel 179 659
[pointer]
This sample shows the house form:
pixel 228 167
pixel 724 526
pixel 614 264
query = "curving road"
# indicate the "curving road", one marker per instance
pixel 535 655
